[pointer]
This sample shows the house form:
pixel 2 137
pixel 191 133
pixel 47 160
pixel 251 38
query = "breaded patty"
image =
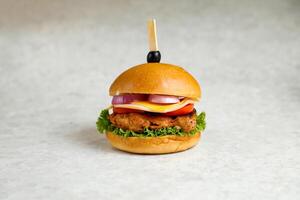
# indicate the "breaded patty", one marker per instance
pixel 138 121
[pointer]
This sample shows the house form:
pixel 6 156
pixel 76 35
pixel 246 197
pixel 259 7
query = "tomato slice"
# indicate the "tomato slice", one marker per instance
pixel 126 110
pixel 182 111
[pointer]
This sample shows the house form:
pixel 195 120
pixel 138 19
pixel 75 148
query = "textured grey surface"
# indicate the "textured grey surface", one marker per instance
pixel 58 58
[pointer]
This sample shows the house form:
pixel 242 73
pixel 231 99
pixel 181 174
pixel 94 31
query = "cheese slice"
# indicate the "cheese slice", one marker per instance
pixel 153 107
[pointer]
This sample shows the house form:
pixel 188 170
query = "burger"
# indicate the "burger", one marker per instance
pixel 152 110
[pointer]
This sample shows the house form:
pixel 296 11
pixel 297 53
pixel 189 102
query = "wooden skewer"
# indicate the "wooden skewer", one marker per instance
pixel 152 35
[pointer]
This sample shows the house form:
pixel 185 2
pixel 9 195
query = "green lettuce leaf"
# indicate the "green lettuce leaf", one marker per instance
pixel 104 125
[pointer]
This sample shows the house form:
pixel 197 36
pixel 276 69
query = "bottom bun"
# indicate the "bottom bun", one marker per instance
pixel 153 145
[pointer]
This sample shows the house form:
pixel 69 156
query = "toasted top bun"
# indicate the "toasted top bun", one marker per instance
pixel 153 145
pixel 156 78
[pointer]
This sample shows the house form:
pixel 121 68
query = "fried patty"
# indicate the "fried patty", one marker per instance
pixel 138 121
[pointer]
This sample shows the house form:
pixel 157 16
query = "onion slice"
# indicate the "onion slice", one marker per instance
pixel 128 98
pixel 163 99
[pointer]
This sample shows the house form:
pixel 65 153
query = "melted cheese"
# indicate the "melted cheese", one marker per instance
pixel 153 107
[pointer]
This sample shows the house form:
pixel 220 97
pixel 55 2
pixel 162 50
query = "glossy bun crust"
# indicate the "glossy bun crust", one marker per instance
pixel 156 78
pixel 153 145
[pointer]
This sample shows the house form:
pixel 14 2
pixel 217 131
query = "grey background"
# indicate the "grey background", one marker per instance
pixel 58 59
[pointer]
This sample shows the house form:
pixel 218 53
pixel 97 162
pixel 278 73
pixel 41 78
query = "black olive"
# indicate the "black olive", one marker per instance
pixel 153 57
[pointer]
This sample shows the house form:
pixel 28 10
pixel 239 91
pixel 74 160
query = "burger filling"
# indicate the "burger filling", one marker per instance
pixel 151 115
